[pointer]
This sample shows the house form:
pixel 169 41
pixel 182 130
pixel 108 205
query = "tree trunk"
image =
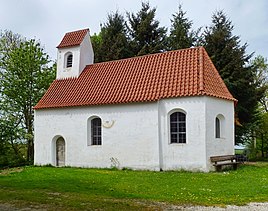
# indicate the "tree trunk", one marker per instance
pixel 262 146
pixel 30 139
pixel 30 150
pixel 15 148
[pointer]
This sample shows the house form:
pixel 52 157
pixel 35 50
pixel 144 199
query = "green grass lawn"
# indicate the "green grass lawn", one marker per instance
pixel 108 189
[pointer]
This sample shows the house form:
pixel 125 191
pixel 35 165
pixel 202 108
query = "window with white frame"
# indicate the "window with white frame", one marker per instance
pixel 177 127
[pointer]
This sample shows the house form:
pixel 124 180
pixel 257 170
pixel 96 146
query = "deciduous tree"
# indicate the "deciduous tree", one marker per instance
pixel 96 41
pixel 260 66
pixel 25 76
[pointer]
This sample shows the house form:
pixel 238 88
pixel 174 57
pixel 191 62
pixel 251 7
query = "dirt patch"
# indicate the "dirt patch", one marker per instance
pixel 10 170
pixel 152 206
pixel 11 207
pixel 249 207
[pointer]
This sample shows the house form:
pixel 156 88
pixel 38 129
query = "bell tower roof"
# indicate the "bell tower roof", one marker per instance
pixel 75 52
pixel 74 38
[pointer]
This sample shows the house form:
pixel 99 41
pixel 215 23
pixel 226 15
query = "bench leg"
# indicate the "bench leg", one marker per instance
pixel 218 168
pixel 235 166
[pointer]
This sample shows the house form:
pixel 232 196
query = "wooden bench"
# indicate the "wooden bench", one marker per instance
pixel 223 160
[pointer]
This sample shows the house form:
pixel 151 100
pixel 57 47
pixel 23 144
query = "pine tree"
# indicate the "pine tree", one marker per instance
pixel 181 33
pixel 232 62
pixel 112 42
pixel 146 35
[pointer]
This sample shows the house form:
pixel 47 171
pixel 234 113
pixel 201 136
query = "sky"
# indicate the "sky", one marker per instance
pixel 48 20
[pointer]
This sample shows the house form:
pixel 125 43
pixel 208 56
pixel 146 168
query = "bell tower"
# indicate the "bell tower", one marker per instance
pixel 74 53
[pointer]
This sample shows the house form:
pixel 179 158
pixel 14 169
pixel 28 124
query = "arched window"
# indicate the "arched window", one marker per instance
pixel 177 127
pixel 96 131
pixel 218 127
pixel 69 60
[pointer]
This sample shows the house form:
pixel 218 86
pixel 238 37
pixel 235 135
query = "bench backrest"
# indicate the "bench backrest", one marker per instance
pixel 222 158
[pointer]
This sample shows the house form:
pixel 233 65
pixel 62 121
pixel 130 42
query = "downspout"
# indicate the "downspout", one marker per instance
pixel 160 148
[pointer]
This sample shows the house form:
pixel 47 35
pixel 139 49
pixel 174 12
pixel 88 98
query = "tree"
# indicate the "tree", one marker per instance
pixel 9 41
pixel 181 33
pixel 9 150
pixel 10 143
pixel 96 41
pixel 232 62
pixel 261 131
pixel 145 34
pixel 25 76
pixel 260 66
pixel 114 38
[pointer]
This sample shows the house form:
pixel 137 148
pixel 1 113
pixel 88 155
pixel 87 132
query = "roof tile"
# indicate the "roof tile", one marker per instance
pixel 73 38
pixel 188 72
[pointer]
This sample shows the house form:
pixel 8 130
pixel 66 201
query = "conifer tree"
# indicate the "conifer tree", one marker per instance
pixel 112 42
pixel 181 33
pixel 232 62
pixel 145 33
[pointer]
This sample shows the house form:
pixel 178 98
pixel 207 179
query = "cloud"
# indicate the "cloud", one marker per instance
pixel 49 20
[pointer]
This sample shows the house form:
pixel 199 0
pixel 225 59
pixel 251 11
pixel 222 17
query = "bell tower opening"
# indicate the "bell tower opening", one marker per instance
pixel 69 60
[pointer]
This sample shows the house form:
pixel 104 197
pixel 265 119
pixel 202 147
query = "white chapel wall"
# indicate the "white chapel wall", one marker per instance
pixel 130 142
pixel 137 135
pixel 225 144
pixel 189 155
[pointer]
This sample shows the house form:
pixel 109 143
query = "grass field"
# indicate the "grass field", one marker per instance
pixel 108 189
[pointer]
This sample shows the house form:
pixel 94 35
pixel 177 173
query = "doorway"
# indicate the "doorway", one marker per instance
pixel 60 152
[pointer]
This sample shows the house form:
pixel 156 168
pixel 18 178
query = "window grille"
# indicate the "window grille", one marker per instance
pixel 177 127
pixel 96 131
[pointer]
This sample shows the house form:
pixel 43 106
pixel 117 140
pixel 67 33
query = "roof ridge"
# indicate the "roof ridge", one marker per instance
pixel 201 70
pixel 147 55
pixel 86 29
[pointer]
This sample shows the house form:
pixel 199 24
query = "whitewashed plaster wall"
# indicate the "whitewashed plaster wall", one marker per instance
pixel 64 72
pixel 225 144
pixel 86 53
pixel 132 140
pixel 82 55
pixel 139 136
pixel 189 155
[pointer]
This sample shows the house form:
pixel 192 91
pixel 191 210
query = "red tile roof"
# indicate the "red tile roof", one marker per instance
pixel 73 38
pixel 180 73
